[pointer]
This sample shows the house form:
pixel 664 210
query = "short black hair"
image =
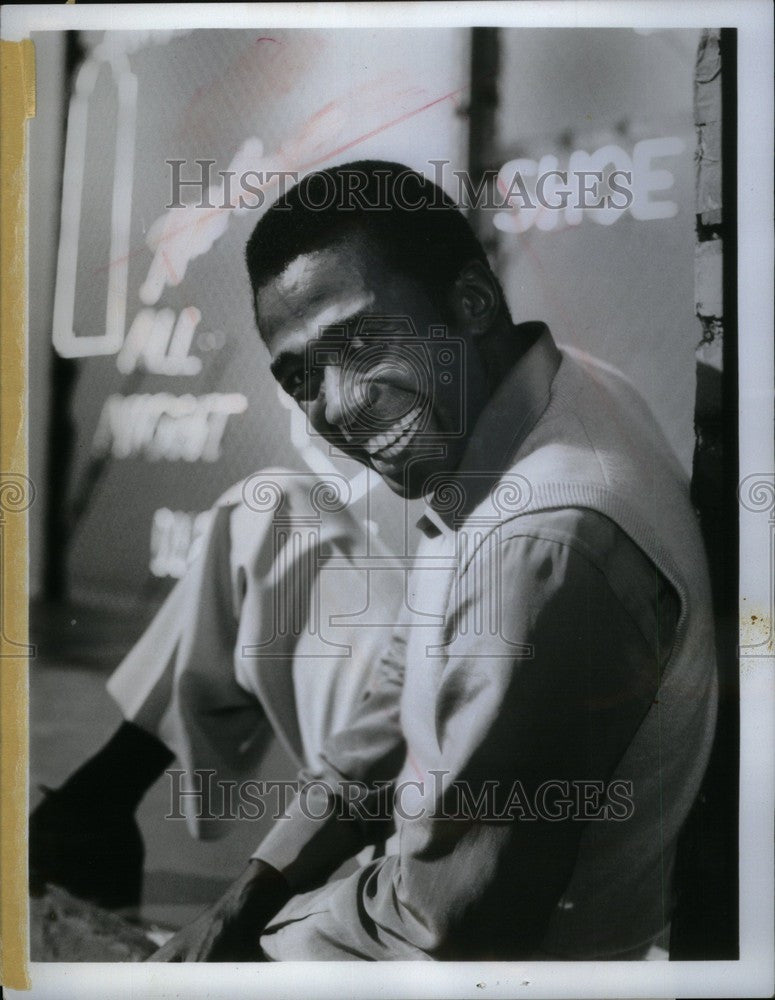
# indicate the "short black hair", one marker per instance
pixel 410 221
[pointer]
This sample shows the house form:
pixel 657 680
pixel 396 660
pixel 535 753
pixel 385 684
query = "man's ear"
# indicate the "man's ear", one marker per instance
pixel 476 298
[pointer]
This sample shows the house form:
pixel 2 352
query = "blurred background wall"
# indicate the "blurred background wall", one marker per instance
pixel 619 285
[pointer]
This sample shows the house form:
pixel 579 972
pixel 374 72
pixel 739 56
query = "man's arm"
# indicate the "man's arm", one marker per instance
pixel 482 882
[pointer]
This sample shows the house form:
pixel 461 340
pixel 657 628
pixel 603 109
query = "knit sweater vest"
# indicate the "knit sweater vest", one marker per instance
pixel 598 446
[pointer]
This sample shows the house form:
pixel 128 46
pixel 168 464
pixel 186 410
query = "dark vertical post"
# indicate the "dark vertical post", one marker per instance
pixel 61 430
pixel 482 127
pixel 705 925
pixel 728 534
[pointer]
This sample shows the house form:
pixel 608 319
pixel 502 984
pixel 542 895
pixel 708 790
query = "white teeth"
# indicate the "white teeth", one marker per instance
pixel 388 445
pixel 409 419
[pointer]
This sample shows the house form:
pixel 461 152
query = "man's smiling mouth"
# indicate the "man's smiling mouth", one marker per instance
pixel 391 443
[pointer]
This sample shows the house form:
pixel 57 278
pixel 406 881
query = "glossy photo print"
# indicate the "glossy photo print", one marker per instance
pixel 387 540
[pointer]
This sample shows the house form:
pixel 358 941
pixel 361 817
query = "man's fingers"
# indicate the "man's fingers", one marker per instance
pixel 196 942
pixel 169 952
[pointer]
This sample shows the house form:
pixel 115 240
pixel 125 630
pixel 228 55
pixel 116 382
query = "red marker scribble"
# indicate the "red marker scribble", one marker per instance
pixel 380 128
pixel 410 759
pixel 170 268
pixel 321 112
pixel 299 167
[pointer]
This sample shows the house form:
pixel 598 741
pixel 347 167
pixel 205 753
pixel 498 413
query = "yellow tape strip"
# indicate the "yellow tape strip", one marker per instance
pixel 17 104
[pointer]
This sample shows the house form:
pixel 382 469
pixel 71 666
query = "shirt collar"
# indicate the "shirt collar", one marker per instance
pixel 505 422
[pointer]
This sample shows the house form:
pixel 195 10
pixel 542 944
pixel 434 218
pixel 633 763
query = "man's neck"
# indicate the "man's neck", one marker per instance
pixel 503 346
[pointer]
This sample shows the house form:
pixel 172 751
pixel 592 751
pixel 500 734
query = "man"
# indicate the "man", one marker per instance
pixel 546 713
pixel 263 636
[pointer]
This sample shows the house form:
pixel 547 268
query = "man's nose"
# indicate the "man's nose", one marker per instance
pixel 332 386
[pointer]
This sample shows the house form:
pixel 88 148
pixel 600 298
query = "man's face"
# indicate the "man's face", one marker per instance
pixel 360 348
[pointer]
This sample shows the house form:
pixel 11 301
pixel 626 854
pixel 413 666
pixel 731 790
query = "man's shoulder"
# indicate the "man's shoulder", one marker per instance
pixel 591 364
pixel 588 532
pixel 598 445
pixel 566 552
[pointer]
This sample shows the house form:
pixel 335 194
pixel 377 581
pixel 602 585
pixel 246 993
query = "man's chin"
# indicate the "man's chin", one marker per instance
pixel 400 487
pixel 408 481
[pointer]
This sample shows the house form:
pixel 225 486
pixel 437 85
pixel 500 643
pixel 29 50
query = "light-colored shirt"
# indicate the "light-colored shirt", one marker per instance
pixel 499 713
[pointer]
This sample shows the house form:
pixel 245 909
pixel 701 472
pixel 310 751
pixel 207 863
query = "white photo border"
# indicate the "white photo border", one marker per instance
pixel 752 974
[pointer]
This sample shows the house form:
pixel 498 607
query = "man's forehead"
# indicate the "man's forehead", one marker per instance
pixel 315 291
pixel 312 278
pixel 311 324
pixel 344 263
pixel 297 272
pixel 329 286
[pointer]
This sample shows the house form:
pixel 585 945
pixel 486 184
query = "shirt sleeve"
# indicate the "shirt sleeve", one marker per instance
pixel 487 840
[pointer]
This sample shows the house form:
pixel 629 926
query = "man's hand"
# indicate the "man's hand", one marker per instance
pixel 228 931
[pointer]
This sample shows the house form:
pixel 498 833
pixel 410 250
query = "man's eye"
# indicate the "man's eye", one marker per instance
pixel 303 384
